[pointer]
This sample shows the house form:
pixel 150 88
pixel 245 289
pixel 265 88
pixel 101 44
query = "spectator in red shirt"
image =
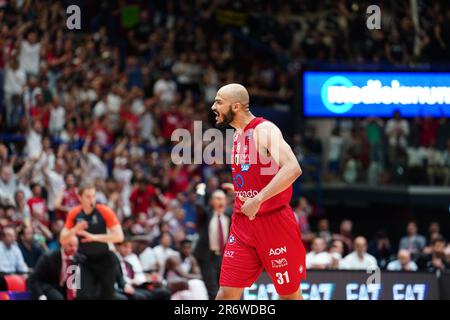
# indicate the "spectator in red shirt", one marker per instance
pixel 67 198
pixel 179 178
pixel 428 128
pixel 129 119
pixel 101 132
pixel 40 111
pixel 170 120
pixel 142 197
pixel 37 204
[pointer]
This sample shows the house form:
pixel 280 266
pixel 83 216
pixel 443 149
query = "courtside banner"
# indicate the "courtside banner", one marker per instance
pixel 355 285
pixel 362 94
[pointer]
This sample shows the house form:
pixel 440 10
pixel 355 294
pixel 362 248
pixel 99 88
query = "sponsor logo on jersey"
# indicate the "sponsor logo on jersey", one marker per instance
pixel 279 263
pixel 228 254
pixel 231 240
pixel 238 181
pixel 245 167
pixel 246 194
pixel 277 251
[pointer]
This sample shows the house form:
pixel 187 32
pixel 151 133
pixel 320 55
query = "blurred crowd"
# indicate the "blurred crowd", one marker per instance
pixel 396 151
pixel 102 103
pixel 346 250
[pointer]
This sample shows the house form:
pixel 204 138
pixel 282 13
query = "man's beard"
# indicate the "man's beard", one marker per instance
pixel 227 118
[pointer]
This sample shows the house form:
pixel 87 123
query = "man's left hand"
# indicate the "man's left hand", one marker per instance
pixel 250 207
pixel 87 237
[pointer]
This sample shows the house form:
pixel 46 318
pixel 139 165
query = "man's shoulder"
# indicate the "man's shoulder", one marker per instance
pixel 393 265
pixel 371 257
pixel 104 209
pixel 265 124
pixel 75 211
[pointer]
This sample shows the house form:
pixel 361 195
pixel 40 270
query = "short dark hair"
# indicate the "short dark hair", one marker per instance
pixel 34 184
pixel 21 230
pixel 126 239
pixel 185 241
pixel 84 186
pixel 437 239
pixel 165 233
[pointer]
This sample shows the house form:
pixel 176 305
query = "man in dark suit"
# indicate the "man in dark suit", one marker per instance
pixel 131 283
pixel 213 224
pixel 52 277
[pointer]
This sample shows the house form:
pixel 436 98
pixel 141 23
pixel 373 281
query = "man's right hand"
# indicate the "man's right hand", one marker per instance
pixel 82 225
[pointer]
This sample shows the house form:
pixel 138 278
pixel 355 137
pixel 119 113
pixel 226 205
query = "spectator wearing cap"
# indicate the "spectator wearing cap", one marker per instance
pixel 359 259
pixel 403 262
pixel 11 258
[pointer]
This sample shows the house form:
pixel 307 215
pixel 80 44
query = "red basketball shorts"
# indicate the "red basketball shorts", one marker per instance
pixel 271 241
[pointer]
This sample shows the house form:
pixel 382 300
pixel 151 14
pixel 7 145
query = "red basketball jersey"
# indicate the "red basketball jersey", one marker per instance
pixel 252 171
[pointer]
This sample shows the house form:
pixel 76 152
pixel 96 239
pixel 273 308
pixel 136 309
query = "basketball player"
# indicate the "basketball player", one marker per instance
pixel 264 232
pixel 96 226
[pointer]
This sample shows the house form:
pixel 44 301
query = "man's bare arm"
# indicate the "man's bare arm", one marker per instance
pixel 67 234
pixel 269 137
pixel 115 235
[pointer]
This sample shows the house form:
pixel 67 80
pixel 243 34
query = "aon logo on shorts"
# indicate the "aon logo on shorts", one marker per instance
pixel 277 251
